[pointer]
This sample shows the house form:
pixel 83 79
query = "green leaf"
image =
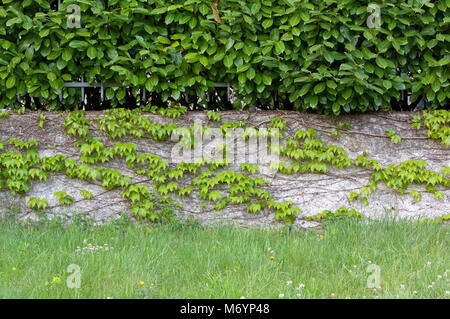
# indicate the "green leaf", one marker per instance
pixel 294 20
pixel 331 84
pixel 267 80
pixel 163 40
pixel 251 74
pixel 191 57
pixel 313 101
pixel 242 68
pixel 387 84
pixel 267 23
pixel 78 44
pixel 381 62
pixel 347 93
pixel 228 61
pixel 328 56
pixel 110 93
pixel 319 88
pixel 10 82
pixel 66 55
pixel 436 85
pixel 152 82
pixel 279 47
pixel 304 89
pixel 92 53
pixel 204 60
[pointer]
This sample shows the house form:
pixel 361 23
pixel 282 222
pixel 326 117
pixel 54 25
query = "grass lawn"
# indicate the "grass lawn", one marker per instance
pixel 136 260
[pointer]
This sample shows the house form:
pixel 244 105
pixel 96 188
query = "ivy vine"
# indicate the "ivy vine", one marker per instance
pixel 212 180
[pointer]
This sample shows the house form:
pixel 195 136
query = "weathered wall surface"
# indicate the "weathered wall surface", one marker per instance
pixel 313 193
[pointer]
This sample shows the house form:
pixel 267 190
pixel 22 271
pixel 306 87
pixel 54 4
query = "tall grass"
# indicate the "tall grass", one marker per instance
pixel 185 260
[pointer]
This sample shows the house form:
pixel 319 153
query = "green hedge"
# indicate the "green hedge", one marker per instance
pixel 311 54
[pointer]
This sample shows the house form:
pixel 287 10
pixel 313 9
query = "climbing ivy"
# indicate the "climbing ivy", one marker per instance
pixel 392 134
pixel 340 213
pixel 86 194
pixel 436 220
pixel 213 116
pixel 41 118
pixel 175 110
pixel 437 123
pixel 64 198
pixel 211 180
pixel 37 204
pixel 76 124
pixel 4 114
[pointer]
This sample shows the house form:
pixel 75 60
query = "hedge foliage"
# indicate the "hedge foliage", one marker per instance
pixel 310 54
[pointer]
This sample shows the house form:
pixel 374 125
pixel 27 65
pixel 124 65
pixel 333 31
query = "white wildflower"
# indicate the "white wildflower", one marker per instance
pixel 301 286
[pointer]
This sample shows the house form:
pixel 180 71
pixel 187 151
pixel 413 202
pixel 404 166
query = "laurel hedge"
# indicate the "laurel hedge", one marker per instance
pixel 308 54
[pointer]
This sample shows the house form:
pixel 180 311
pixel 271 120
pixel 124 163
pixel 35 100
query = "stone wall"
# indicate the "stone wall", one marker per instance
pixel 313 193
